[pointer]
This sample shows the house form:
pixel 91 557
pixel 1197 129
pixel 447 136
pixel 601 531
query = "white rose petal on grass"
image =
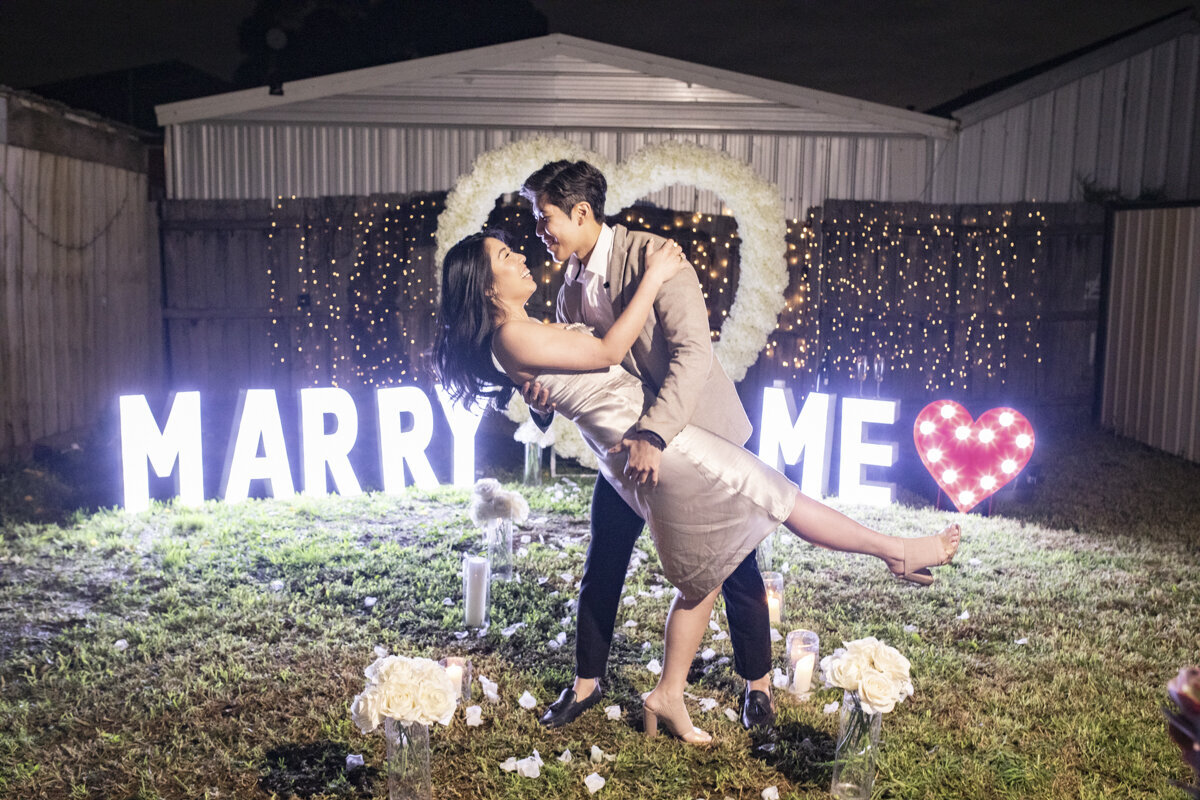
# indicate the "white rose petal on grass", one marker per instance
pixel 708 654
pixel 509 764
pixel 974 562
pixel 276 586
pixel 612 712
pixel 780 680
pixel 776 636
pixel 713 626
pixel 731 715
pixel 529 767
pixel 594 783
pixel 473 716
pixel 629 600
pixel 1022 640
pixel 717 637
pixel 511 629
pixel 631 623
pixel 965 614
pixel 446 601
pixel 707 704
pixel 369 602
pixel 597 755
pixel 770 793
pixel 120 645
pixel 527 701
pixel 654 666
pixel 567 577
pixel 354 760
pixel 489 689
pixel 646 645
pixel 910 628
pixel 831 708
pixel 566 757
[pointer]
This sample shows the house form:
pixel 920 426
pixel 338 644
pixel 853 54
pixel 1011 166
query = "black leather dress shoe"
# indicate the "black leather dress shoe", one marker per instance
pixel 566 709
pixel 756 709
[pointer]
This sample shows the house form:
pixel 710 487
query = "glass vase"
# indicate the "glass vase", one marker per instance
pixel 857 746
pixel 498 537
pixel 533 465
pixel 407 760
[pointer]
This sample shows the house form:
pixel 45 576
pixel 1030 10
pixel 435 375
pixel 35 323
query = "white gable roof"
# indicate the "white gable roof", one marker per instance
pixel 557 81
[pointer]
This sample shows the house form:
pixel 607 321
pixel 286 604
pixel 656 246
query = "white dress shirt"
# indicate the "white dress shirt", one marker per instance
pixel 597 305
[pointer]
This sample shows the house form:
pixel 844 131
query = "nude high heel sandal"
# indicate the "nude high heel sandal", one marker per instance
pixel 929 551
pixel 682 728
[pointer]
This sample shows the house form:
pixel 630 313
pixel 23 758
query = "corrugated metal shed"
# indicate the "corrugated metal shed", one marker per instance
pixel 418 125
pixel 1122 116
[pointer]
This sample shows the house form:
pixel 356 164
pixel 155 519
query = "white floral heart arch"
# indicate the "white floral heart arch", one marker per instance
pixel 753 202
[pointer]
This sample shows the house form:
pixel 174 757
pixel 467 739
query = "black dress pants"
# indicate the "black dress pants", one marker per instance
pixel 615 529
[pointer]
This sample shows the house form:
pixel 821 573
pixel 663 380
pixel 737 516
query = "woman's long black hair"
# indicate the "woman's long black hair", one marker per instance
pixel 462 352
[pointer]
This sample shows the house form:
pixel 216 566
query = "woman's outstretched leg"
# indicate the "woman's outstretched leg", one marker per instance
pixel 686 622
pixel 821 525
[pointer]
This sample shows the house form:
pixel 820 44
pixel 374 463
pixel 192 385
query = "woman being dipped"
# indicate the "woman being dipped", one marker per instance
pixel 713 502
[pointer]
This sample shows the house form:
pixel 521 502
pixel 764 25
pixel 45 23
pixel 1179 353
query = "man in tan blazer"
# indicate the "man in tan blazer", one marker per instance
pixel 673 355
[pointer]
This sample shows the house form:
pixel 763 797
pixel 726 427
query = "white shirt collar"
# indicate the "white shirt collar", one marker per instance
pixel 598 260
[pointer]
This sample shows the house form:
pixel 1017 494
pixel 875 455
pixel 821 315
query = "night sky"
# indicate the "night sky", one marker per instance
pixel 917 54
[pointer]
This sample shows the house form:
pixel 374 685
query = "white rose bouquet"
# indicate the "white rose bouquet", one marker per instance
pixel 407 690
pixel 877 673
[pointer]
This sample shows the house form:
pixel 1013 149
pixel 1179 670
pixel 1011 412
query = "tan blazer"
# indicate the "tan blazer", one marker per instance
pixel 673 355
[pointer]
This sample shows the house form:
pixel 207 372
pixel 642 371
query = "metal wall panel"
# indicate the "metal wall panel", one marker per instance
pixel 1151 387
pixel 1129 127
pixel 247 161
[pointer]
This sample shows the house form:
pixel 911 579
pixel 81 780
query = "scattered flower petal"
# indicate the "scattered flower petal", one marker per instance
pixel 720 636
pixel 594 783
pixel 473 716
pixel 910 628
pixel 354 760
pixel 974 562
pixel 629 600
pixel 654 666
pixel 525 538
pixel 612 712
pixel 380 651
pixel 776 636
pixel 553 644
pixel 511 629
pixel 561 638
pixel 1022 640
pixel 566 757
pixel 369 602
pixel 597 755
pixel 509 764
pixel 770 793
pixel 713 626
pixel 831 708
pixel 446 601
pixel 530 767
pixel 460 635
pixel 276 586
pixel 731 714
pixel 567 577
pixel 630 623
pixel 646 645
pixel 527 701
pixel 780 680
pixel 708 653
pixel 120 645
pixel 965 614
pixel 489 690
pixel 707 704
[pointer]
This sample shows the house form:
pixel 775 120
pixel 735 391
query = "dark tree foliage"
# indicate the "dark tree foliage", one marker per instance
pixel 320 37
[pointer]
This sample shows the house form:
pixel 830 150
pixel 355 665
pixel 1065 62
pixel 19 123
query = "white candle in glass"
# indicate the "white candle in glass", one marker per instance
pixel 476 575
pixel 803 648
pixel 803 673
pixel 773 582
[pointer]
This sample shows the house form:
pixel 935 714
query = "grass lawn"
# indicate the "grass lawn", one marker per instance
pixel 213 652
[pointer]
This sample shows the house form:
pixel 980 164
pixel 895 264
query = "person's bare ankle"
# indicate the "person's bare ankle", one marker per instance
pixel 583 687
pixel 763 684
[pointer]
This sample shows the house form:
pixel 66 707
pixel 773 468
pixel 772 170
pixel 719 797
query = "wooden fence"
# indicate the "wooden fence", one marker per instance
pixel 985 303
pixel 81 319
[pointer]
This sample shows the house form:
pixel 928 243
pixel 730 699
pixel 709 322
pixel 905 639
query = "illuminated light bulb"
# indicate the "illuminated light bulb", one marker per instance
pixel 987 483
pixel 935 455
pixel 927 428
pixel 950 476
pixel 962 432
pixel 1024 440
pixel 966 497
pixel 1008 466
pixel 947 411
pixel 987 435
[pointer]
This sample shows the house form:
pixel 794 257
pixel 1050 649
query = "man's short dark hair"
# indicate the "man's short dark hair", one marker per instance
pixel 565 183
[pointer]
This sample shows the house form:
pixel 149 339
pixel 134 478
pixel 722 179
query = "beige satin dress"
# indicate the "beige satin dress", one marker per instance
pixel 714 502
